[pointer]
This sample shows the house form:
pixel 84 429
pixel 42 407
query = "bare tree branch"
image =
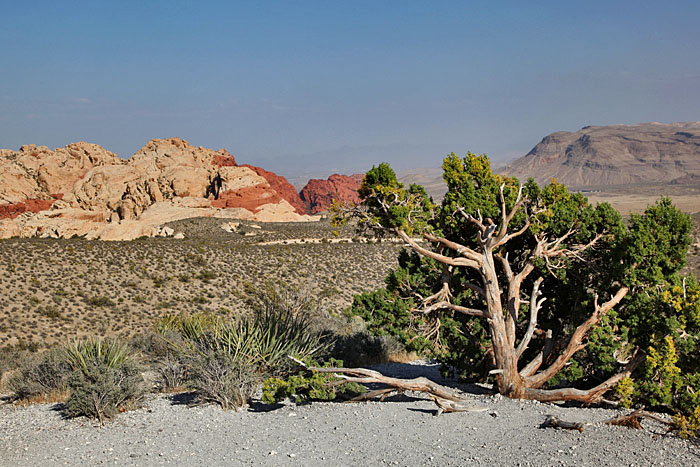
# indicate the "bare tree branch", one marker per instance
pixel 535 305
pixel 587 396
pixel 365 376
pixel 436 256
pixel 460 249
pixel 575 343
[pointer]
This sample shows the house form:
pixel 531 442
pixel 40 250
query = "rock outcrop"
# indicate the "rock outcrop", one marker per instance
pixel 318 195
pixel 280 185
pixel 33 177
pixel 597 156
pixel 84 190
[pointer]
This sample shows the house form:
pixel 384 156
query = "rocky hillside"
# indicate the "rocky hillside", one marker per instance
pixel 84 190
pixel 615 155
pixel 318 195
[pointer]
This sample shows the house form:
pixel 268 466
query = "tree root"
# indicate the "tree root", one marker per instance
pixel 632 420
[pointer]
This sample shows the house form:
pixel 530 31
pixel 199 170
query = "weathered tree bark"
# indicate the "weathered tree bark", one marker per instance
pixel 366 376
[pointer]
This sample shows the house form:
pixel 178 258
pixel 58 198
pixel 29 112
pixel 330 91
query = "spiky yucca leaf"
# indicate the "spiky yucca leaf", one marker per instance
pixel 109 352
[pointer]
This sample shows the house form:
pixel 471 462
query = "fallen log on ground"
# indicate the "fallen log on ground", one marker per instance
pixel 365 376
pixel 553 422
pixel 445 406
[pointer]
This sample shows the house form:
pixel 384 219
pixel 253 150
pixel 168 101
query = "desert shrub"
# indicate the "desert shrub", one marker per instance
pixel 206 275
pixel 228 357
pixel 362 348
pixel 105 379
pixel 100 301
pixel 223 377
pixel 170 371
pixel 12 356
pixel 41 375
pixel 8 360
pixel 310 386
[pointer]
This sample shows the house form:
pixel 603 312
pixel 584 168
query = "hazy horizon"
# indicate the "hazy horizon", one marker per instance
pixel 310 88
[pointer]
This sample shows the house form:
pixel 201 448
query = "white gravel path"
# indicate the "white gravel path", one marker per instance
pixel 401 432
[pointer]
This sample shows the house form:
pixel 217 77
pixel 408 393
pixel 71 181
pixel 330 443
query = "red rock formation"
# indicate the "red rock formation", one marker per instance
pixel 10 211
pixel 250 198
pixel 89 191
pixel 318 195
pixel 224 160
pixel 281 186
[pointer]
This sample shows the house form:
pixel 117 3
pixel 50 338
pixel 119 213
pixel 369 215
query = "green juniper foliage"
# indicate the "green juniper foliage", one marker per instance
pixel 310 386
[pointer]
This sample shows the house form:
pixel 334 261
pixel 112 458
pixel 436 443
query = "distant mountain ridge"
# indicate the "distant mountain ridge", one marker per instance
pixel 597 156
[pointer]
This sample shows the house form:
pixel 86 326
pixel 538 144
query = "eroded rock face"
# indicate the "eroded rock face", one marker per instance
pixel 36 172
pixel 318 195
pixel 87 191
pixel 281 186
pixel 614 155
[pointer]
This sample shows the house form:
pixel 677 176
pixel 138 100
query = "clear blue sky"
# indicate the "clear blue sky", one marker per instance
pixel 293 85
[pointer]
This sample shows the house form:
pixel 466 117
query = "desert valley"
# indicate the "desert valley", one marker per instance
pixel 95 246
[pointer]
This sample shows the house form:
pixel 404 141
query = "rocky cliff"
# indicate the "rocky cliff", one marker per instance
pixel 318 195
pixel 84 190
pixel 280 185
pixel 615 155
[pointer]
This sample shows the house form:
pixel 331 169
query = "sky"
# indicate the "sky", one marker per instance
pixel 308 88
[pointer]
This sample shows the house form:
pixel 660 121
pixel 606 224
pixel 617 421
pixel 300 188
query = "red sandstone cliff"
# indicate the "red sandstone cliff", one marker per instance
pixel 281 186
pixel 318 195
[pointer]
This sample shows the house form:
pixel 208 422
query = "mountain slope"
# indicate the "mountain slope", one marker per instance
pixel 615 155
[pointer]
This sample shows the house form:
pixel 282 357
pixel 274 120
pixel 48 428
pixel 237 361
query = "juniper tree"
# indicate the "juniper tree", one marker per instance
pixel 520 277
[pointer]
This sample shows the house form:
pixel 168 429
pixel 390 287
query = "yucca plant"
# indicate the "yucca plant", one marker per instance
pixel 109 352
pixel 105 380
pixel 189 327
pixel 279 333
pixel 228 357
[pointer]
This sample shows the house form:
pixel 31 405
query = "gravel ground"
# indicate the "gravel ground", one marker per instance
pixel 403 431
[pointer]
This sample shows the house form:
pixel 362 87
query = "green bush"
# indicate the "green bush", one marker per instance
pixel 42 374
pixel 105 379
pixel 310 386
pixel 669 379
